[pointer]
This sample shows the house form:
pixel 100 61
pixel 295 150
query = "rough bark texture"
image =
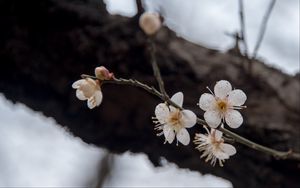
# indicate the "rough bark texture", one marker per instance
pixel 46 45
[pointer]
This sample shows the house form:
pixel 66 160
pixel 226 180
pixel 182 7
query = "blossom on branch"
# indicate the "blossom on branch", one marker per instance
pixel 173 121
pixel 150 22
pixel 222 105
pixel 213 147
pixel 88 89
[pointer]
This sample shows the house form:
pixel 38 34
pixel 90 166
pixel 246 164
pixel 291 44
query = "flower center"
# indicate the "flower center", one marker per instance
pixel 215 142
pixel 88 90
pixel 222 105
pixel 174 120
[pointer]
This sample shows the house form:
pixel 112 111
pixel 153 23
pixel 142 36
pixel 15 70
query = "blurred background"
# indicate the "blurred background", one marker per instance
pixel 52 157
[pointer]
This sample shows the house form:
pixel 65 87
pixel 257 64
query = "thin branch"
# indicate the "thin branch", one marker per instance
pixel 139 7
pixel 131 82
pixel 243 34
pixel 263 28
pixel 277 154
pixel 156 70
pixel 243 27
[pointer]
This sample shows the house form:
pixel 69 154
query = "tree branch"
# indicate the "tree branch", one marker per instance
pixel 275 153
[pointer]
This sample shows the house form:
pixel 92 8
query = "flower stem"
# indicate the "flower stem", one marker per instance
pixel 155 68
pixel 150 89
pixel 275 153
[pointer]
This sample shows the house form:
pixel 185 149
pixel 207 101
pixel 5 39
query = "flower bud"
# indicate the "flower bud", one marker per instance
pixel 150 22
pixel 103 74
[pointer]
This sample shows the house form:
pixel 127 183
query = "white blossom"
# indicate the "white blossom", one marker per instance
pixel 222 105
pixel 150 22
pixel 173 121
pixel 88 89
pixel 213 147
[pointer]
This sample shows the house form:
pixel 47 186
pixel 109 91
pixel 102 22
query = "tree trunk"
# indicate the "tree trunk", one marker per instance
pixel 46 45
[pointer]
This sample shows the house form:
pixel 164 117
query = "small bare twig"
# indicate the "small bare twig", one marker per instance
pixel 156 70
pixel 139 6
pixel 277 154
pixel 263 28
pixel 243 27
pixel 243 35
pixel 131 82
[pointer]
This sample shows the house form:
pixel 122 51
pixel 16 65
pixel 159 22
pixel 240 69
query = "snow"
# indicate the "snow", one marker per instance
pixel 36 152
pixel 136 170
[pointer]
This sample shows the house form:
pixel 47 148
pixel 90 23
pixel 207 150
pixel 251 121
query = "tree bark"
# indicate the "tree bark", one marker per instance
pixel 46 45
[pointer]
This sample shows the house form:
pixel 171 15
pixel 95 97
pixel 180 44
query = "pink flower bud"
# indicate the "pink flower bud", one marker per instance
pixel 103 74
pixel 150 22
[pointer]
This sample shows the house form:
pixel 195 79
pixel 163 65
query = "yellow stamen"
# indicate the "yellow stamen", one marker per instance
pixel 175 120
pixel 222 105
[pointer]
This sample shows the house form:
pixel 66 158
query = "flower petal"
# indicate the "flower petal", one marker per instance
pixel 229 149
pixel 80 95
pixel 218 134
pixel 162 112
pixel 177 98
pixel 183 136
pixel 207 102
pixel 189 118
pixel 77 84
pixel 222 89
pixel 91 81
pixel 212 118
pixel 92 102
pixel 233 118
pixel 98 97
pixel 172 109
pixel 169 133
pixel 220 154
pixel 237 97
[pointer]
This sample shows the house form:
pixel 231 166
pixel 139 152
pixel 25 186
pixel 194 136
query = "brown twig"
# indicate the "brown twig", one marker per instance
pixel 139 7
pixel 263 28
pixel 243 35
pixel 243 27
pixel 156 70
pixel 277 154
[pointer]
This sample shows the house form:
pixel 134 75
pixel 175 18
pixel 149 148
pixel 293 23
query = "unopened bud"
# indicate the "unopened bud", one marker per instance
pixel 150 22
pixel 103 74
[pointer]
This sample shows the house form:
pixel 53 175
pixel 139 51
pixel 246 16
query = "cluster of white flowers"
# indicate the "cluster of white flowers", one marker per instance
pixel 220 107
